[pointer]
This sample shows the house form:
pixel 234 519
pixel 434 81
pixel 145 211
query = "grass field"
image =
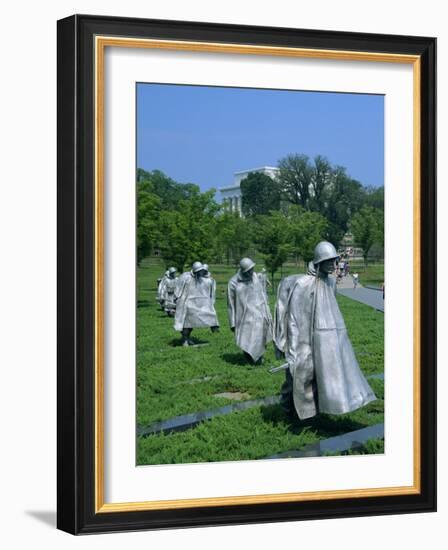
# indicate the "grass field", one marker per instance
pixel 172 380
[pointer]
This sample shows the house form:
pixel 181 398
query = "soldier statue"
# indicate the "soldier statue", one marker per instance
pixel 322 374
pixel 161 284
pixel 195 302
pixel 167 292
pixel 249 315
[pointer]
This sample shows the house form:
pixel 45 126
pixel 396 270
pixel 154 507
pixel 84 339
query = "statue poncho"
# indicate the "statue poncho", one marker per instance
pixel 167 293
pixel 195 302
pixel 249 314
pixel 310 331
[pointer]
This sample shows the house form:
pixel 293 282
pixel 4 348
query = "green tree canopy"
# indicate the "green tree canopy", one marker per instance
pixel 367 227
pixel 169 191
pixel 317 186
pixel 232 237
pixel 272 236
pixel 343 199
pixel 148 213
pixel 187 233
pixel 306 230
pixel 295 175
pixel 260 194
pixel 375 197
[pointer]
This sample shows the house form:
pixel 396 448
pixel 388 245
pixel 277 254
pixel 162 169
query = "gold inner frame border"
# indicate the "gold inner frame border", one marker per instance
pixel 101 42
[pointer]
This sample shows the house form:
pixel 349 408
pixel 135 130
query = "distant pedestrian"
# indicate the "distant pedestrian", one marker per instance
pixel 347 268
pixel 355 277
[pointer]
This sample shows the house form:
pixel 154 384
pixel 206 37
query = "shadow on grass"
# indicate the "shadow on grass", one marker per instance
pixel 177 342
pixel 143 303
pixel 235 359
pixel 323 424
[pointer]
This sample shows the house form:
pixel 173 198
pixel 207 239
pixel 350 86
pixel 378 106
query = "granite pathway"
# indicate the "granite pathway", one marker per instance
pixel 372 298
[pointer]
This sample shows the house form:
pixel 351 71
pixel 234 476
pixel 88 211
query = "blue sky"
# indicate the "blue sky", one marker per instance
pixel 202 134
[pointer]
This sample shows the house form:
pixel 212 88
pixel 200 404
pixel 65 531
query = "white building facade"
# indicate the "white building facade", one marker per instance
pixel 231 195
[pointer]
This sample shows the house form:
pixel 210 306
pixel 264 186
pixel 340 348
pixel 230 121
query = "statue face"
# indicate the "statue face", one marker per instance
pixel 327 266
pixel 247 275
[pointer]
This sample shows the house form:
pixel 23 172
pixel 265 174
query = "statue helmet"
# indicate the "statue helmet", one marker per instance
pixel 205 266
pixel 197 266
pixel 324 251
pixel 172 270
pixel 246 264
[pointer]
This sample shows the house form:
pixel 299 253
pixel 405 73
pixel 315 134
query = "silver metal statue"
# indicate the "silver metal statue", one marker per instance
pixel 322 374
pixel 265 282
pixel 160 286
pixel 248 311
pixel 167 292
pixel 195 297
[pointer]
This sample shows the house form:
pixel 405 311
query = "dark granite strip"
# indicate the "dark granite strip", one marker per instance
pixel 187 421
pixel 379 376
pixel 344 442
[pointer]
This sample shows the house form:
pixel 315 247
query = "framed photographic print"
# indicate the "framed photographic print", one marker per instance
pixel 233 202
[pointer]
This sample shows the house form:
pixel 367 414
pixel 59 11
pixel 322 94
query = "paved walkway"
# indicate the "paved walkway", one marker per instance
pixel 368 296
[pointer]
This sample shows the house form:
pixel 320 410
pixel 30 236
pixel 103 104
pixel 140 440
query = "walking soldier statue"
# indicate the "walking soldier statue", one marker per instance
pixel 248 311
pixel 195 302
pixel 322 374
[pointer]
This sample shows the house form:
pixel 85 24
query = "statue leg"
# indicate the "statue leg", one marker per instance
pixel 186 336
pixel 286 396
pixel 250 359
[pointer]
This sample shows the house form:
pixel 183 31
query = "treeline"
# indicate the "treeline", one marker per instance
pixel 310 200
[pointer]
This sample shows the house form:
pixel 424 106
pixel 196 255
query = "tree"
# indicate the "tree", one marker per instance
pixel 375 197
pixel 367 227
pixel 169 191
pixel 148 213
pixel 187 233
pixel 294 177
pixel 306 229
pixel 157 194
pixel 343 199
pixel 232 237
pixel 260 194
pixel 317 186
pixel 321 180
pixel 272 237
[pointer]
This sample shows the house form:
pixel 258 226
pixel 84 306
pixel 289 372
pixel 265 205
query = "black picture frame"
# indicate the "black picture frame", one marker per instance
pixel 76 275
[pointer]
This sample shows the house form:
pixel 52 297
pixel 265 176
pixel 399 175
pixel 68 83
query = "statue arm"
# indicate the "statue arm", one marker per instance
pixel 231 304
pixel 180 285
pixel 280 317
pixel 213 291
